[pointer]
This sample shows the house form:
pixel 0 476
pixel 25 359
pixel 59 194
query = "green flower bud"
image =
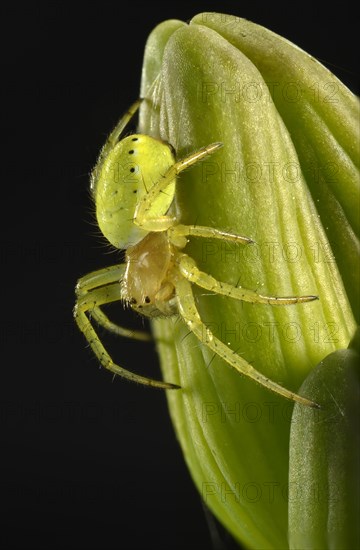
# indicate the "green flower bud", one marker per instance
pixel 286 177
pixel 324 491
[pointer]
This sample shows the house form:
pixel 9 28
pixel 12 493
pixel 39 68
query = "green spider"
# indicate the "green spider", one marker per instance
pixel 134 186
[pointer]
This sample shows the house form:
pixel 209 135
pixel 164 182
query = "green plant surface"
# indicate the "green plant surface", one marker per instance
pixel 324 473
pixel 272 181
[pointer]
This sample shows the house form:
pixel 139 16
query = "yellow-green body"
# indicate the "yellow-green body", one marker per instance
pixel 126 175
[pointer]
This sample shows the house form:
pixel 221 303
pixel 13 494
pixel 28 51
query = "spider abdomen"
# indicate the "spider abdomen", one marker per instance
pixel 122 178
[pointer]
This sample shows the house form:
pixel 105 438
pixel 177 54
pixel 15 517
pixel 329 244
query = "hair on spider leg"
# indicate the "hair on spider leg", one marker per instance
pixel 172 148
pixel 211 360
pixel 178 320
pixel 143 181
pixel 236 352
pixel 163 192
pixel 198 344
pixel 185 336
pixel 238 281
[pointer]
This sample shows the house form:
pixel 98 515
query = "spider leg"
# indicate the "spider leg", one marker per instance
pixel 143 216
pixel 119 128
pixel 190 271
pixel 99 316
pixel 190 314
pixel 90 298
pixel 112 140
pixel 178 234
pixel 102 277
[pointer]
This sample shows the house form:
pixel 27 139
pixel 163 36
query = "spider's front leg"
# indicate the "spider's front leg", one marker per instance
pixel 144 214
pixel 93 291
pixel 114 138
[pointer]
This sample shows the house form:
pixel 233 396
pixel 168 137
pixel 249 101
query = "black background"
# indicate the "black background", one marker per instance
pixel 88 462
